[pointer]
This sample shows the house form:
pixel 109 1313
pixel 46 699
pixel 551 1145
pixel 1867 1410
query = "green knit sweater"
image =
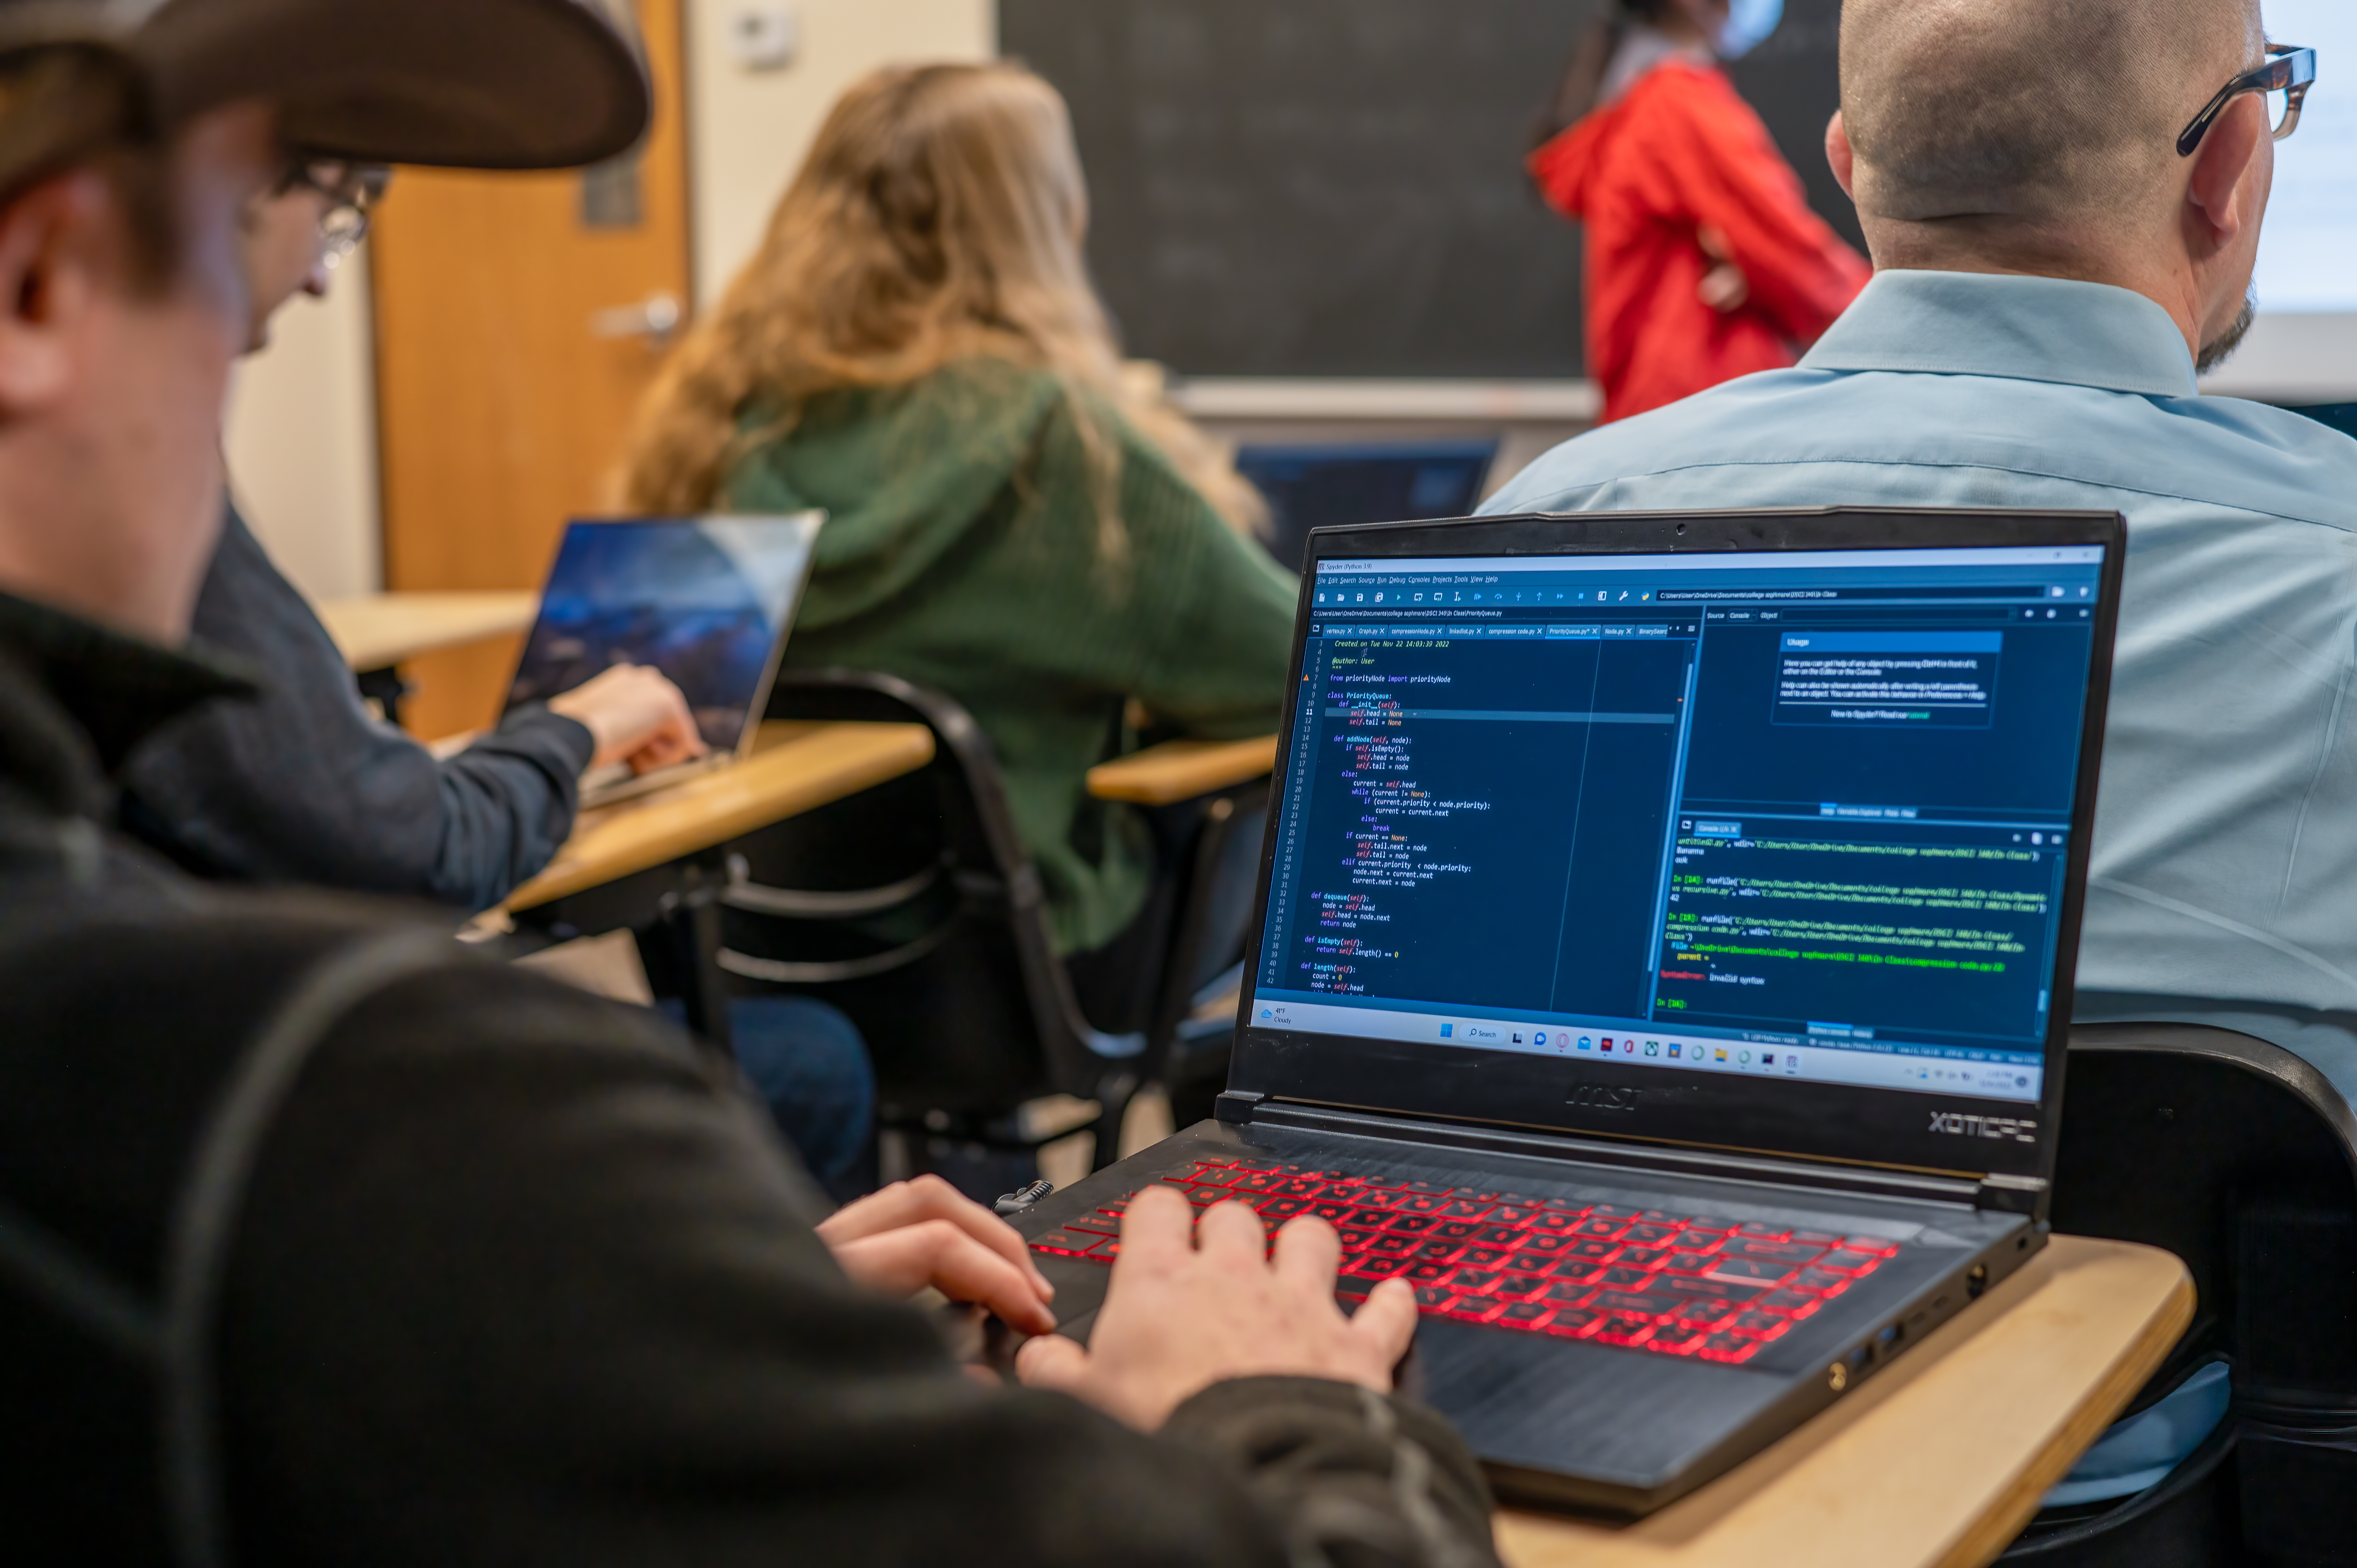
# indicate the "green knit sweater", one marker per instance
pixel 961 553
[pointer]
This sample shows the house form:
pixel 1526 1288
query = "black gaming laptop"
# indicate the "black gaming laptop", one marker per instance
pixel 1664 955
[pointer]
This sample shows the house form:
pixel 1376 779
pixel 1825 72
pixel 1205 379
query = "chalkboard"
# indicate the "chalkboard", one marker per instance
pixel 1334 187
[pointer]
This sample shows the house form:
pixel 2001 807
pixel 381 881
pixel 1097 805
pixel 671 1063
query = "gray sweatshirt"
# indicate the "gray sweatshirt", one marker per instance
pixel 302 785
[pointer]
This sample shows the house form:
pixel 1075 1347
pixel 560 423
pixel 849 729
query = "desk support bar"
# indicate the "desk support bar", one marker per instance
pixel 687 929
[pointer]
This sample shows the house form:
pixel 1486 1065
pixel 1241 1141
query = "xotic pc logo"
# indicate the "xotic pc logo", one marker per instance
pixel 1602 1097
pixel 1963 1126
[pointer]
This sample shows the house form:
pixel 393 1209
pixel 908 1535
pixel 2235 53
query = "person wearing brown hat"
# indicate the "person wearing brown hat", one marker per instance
pixel 301 783
pixel 320 1240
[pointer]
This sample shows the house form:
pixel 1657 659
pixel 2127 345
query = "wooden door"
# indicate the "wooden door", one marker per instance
pixel 511 349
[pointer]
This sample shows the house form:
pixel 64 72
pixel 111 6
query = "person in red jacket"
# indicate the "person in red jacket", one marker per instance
pixel 1703 261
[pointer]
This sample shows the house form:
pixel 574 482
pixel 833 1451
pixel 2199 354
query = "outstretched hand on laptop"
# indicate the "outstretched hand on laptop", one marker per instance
pixel 1182 1314
pixel 925 1233
pixel 636 715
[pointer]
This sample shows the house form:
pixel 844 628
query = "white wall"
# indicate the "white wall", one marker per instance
pixel 2292 358
pixel 747 130
pixel 302 441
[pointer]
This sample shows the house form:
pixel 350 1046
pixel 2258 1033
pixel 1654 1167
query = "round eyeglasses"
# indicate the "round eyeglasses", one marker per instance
pixel 2285 80
pixel 352 191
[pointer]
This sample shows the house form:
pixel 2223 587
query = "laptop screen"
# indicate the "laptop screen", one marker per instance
pixel 1336 486
pixel 705 600
pixel 1801 815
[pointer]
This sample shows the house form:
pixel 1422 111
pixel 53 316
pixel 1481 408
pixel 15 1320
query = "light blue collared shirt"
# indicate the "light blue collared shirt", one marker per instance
pixel 2224 880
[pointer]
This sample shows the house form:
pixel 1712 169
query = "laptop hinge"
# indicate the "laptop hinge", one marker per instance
pixel 2010 1194
pixel 1236 1104
pixel 1725 1166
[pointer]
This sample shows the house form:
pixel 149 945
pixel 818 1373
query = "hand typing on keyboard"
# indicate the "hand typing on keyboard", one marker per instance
pixel 634 714
pixel 1185 1311
pixel 925 1233
pixel 1678 1285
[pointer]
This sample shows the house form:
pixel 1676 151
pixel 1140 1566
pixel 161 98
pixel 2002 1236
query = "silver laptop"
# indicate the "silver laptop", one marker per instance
pixel 707 600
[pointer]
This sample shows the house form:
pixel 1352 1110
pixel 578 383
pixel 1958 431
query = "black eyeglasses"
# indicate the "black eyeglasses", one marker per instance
pixel 351 189
pixel 2291 73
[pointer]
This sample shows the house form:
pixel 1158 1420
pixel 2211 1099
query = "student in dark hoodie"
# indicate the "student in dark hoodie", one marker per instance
pixel 299 784
pixel 917 348
pixel 324 1241
pixel 1703 261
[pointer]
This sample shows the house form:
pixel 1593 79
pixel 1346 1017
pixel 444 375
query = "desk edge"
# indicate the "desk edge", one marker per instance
pixel 2014 1500
pixel 888 762
pixel 1146 779
pixel 2128 1372
pixel 370 657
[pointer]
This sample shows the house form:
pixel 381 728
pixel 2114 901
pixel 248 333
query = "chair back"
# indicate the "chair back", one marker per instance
pixel 2241 1159
pixel 2210 1144
pixel 915 908
pixel 1219 867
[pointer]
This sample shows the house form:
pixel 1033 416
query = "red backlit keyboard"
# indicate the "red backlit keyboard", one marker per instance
pixel 1679 1284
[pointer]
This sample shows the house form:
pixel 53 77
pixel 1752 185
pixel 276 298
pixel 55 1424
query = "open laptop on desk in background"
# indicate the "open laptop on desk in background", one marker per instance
pixel 707 600
pixel 1328 485
pixel 1664 960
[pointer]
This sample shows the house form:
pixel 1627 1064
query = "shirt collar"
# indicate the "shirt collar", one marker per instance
pixel 76 698
pixel 2024 329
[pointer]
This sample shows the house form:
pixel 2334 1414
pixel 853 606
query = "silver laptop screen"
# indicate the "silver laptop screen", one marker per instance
pixel 705 600
pixel 1796 814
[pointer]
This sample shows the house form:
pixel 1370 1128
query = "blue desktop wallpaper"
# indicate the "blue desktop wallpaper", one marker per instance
pixel 703 600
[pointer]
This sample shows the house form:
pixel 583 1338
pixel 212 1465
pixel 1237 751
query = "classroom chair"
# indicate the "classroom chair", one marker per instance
pixel 914 908
pixel 2242 1159
pixel 1194 1029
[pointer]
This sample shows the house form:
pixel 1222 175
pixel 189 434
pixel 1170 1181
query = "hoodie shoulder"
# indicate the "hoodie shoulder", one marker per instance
pixel 1563 167
pixel 1666 105
pixel 903 473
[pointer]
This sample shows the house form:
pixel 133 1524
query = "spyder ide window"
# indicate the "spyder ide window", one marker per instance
pixel 1803 815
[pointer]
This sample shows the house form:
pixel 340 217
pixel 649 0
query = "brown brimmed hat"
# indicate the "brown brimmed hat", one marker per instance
pixel 460 84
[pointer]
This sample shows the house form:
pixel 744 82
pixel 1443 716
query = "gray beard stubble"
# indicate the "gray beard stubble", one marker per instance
pixel 2220 348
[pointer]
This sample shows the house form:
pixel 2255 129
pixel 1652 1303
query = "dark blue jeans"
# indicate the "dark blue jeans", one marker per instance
pixel 807 1062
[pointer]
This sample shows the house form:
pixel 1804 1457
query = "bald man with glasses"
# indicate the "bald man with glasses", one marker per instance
pixel 2063 205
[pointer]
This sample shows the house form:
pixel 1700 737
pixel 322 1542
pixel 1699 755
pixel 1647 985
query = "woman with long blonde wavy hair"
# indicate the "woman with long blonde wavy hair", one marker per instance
pixel 917 348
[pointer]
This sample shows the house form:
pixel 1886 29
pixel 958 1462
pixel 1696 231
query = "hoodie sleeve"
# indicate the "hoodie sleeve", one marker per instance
pixel 522 1280
pixel 1559 167
pixel 302 785
pixel 1214 612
